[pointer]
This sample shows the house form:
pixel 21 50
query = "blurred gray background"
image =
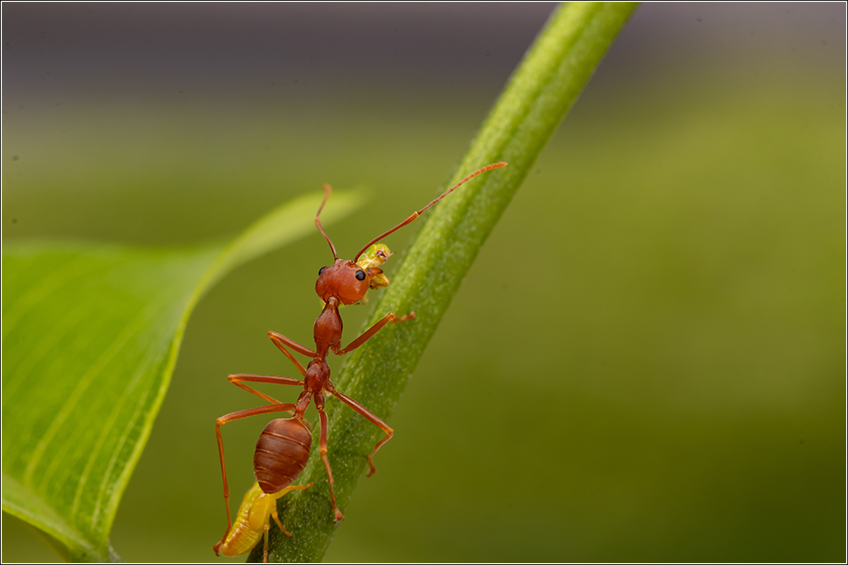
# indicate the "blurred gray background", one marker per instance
pixel 666 293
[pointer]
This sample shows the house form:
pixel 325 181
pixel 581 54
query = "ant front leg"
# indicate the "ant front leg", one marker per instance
pixel 369 333
pixel 371 418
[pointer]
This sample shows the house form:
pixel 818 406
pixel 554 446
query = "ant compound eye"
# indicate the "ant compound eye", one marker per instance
pixel 321 270
pixel 360 275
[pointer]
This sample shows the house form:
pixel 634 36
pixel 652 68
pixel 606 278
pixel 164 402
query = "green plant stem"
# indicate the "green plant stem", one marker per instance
pixel 539 94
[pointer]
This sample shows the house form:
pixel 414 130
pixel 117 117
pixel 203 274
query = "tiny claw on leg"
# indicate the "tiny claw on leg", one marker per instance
pixel 410 316
pixel 370 464
pixel 216 548
pixel 339 515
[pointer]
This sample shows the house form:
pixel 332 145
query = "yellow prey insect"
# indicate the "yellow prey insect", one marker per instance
pixel 253 520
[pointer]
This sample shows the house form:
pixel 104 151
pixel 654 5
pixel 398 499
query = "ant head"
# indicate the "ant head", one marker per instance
pixel 348 281
pixel 344 280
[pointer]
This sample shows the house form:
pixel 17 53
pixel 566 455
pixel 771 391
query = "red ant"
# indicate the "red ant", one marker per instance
pixel 283 448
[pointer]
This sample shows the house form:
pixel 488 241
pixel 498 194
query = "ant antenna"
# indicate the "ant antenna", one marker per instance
pixel 415 215
pixel 327 191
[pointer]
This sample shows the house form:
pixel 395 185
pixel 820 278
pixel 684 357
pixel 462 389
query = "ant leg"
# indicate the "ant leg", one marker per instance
pixel 371 418
pixel 216 547
pixel 369 333
pixel 229 418
pixel 280 341
pixel 322 449
pixel 238 378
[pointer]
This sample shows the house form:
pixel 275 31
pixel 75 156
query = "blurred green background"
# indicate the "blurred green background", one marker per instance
pixel 647 361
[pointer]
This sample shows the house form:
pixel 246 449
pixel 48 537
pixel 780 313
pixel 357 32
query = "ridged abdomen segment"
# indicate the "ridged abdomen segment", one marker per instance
pixel 281 453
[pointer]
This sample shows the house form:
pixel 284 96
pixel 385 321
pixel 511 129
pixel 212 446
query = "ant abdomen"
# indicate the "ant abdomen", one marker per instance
pixel 281 453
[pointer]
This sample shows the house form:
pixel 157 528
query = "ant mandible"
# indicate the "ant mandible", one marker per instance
pixel 283 448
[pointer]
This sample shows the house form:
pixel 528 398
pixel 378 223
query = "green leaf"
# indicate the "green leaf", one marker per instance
pixel 90 338
pixel 534 102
